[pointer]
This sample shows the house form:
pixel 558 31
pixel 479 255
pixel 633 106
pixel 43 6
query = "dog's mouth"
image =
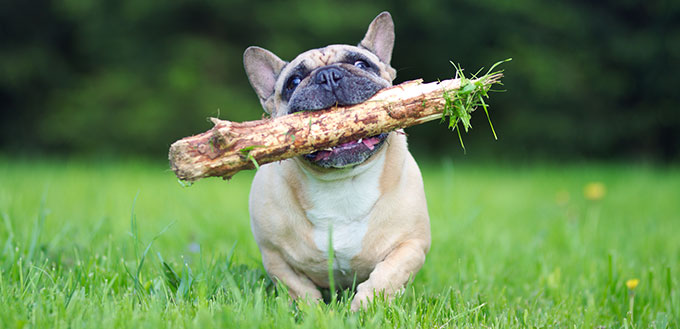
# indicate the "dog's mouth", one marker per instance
pixel 348 154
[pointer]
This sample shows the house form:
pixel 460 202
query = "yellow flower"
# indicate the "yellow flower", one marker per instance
pixel 594 191
pixel 632 283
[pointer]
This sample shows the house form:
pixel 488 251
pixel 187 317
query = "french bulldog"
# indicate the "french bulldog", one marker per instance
pixel 364 199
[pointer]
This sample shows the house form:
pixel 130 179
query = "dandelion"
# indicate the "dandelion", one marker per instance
pixel 632 284
pixel 594 191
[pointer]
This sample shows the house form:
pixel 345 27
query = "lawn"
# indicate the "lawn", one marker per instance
pixel 121 244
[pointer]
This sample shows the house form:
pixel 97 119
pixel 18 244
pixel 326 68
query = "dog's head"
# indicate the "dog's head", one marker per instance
pixel 321 78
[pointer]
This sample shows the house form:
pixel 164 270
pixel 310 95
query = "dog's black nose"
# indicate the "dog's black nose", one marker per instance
pixel 328 77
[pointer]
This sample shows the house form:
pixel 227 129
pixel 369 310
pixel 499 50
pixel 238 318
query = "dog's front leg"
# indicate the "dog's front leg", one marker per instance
pixel 298 284
pixel 391 274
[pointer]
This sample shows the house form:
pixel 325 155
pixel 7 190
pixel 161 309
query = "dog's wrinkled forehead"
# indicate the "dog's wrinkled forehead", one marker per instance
pixel 312 59
pixel 369 62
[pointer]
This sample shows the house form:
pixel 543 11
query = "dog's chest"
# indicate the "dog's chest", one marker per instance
pixel 342 209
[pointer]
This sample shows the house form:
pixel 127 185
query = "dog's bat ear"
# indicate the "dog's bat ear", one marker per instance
pixel 263 69
pixel 379 38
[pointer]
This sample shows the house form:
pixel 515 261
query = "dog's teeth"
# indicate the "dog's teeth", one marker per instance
pixel 360 140
pixel 328 149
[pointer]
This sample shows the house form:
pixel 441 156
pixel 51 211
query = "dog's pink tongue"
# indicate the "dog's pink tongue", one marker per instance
pixel 346 144
pixel 370 142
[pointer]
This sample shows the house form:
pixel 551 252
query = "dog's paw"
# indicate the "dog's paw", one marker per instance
pixel 363 296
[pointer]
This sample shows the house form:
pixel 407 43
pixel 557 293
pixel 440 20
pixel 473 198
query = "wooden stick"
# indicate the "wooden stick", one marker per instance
pixel 230 147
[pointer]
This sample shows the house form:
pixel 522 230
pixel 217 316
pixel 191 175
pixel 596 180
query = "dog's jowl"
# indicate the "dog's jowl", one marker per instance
pixel 366 196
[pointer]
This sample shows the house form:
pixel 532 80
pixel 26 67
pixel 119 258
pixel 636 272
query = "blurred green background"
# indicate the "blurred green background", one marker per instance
pixel 589 80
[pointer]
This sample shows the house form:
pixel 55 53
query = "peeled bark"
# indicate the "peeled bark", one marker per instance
pixel 230 147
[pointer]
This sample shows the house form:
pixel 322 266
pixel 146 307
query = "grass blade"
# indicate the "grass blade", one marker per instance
pixel 37 229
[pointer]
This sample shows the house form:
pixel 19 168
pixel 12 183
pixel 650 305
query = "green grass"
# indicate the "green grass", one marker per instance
pixel 512 246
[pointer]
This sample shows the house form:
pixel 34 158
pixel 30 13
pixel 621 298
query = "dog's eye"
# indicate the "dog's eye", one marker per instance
pixel 293 82
pixel 361 64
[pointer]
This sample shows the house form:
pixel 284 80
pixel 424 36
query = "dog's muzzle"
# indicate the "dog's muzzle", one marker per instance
pixel 330 86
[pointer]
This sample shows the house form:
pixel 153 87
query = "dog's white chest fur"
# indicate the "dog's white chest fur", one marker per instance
pixel 342 206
